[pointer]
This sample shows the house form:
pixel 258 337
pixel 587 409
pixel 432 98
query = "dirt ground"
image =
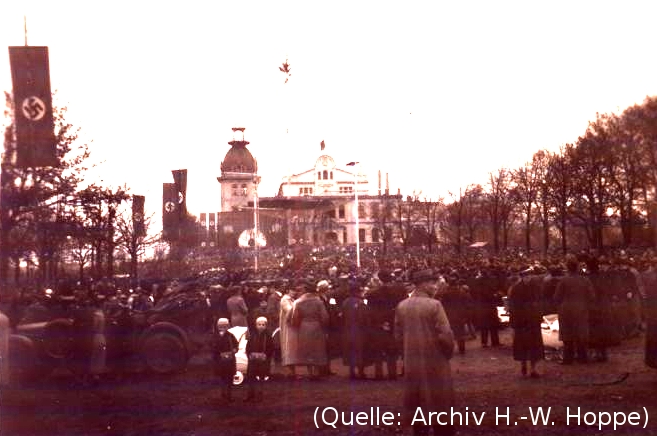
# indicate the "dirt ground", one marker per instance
pixel 487 382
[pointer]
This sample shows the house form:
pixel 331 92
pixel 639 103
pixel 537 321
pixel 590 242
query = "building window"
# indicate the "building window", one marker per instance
pixel 361 235
pixel 319 175
pixel 300 191
pixel 325 174
pixel 234 189
pixel 331 173
pixel 374 209
pixel 361 210
pixel 376 235
pixel 341 212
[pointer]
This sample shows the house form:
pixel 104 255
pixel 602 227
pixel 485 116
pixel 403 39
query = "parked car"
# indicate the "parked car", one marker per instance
pixel 164 337
pixel 55 335
pixel 58 333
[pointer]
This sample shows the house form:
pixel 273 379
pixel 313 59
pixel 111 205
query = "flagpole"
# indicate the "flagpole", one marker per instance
pixel 255 223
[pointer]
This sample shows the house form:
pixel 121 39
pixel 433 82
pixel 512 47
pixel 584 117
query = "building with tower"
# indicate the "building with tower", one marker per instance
pixel 239 174
pixel 316 206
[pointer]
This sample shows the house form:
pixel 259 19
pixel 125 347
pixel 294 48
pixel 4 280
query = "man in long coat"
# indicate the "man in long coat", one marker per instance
pixel 574 295
pixel 311 318
pixel 237 308
pixel 422 327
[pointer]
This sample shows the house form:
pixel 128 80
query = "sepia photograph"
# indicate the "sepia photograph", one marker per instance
pixel 285 218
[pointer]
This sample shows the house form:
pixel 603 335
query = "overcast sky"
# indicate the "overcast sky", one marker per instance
pixel 437 94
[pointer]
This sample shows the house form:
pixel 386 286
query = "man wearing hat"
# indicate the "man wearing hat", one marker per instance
pixel 422 328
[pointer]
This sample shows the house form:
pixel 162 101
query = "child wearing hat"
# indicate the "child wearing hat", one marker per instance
pixel 259 350
pixel 224 347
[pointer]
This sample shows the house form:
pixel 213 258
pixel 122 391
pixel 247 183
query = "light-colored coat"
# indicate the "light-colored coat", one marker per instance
pixel 288 334
pixel 427 343
pixel 311 317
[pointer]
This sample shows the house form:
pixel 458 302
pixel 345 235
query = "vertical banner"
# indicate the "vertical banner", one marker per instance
pixel 180 181
pixel 212 221
pixel 138 215
pixel 213 229
pixel 170 213
pixel 35 138
pixel 203 227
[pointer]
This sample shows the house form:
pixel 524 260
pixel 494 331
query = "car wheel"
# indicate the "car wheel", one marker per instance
pixel 58 340
pixel 164 353
pixel 238 378
pixel 24 365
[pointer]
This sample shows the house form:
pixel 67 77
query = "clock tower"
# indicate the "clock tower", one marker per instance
pixel 239 174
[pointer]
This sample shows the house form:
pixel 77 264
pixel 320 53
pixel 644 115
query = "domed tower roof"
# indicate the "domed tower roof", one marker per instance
pixel 239 159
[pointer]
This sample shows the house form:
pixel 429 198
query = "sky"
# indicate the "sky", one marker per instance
pixel 436 94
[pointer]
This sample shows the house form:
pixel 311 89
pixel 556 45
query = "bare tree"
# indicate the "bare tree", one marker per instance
pixel 431 214
pixel 453 223
pixel 406 216
pixel 383 216
pixel 132 242
pixel 497 203
pixel 527 181
pixel 560 190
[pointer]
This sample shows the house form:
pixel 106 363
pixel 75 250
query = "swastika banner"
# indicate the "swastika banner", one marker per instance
pixel 138 215
pixel 35 138
pixel 180 180
pixel 170 212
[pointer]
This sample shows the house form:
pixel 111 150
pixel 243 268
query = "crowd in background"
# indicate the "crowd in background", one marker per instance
pixel 321 307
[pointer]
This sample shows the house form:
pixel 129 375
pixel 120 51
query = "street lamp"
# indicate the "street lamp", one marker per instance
pixel 353 164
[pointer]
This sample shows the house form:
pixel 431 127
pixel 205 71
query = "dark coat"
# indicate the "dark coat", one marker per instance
pixel 574 295
pixel 381 304
pixel 222 344
pixel 262 344
pixel 354 332
pixel 602 331
pixel 458 305
pixel 526 317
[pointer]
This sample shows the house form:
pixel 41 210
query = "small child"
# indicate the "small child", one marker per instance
pixel 224 347
pixel 259 350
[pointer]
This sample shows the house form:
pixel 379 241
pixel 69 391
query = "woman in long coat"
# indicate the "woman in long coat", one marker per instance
pixel 428 343
pixel 525 307
pixel 288 333
pixel 311 318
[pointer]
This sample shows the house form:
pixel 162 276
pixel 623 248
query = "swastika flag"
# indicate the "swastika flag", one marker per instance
pixel 35 138
pixel 170 212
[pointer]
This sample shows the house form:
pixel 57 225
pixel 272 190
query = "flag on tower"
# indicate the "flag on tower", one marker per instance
pixel 323 145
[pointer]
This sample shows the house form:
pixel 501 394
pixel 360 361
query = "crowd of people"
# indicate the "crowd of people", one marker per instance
pixel 313 307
